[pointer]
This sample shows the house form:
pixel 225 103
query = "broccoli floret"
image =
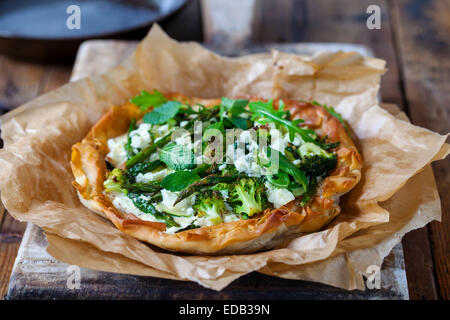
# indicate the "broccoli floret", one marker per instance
pixel 248 197
pixel 316 161
pixel 116 181
pixel 210 204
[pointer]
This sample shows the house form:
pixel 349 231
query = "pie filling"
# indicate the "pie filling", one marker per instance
pixel 189 166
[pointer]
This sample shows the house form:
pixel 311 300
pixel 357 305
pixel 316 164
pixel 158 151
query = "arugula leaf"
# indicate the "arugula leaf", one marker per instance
pixel 240 122
pixel 266 109
pixel 177 157
pixel 179 180
pixel 163 113
pixel 216 125
pixel 288 167
pixel 145 99
pixel 235 107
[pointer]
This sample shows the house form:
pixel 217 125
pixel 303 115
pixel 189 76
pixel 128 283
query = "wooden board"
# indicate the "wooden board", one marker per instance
pixel 36 275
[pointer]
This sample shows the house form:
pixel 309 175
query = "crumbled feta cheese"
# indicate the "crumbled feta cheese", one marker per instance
pixel 277 142
pixel 117 153
pixel 153 176
pixel 123 203
pixel 140 138
pixel 278 196
pixel 184 207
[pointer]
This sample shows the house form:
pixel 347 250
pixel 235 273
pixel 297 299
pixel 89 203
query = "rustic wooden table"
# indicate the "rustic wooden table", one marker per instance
pixel 413 39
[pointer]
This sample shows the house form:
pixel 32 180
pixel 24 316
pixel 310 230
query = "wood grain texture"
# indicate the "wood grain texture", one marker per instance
pixel 330 21
pixel 22 81
pixel 11 232
pixel 45 278
pixel 422 31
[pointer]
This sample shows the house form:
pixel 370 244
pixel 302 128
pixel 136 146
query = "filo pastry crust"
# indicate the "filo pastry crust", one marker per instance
pixel 270 229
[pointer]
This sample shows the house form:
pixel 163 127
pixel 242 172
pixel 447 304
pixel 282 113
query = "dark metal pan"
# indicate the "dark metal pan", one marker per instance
pixel 37 29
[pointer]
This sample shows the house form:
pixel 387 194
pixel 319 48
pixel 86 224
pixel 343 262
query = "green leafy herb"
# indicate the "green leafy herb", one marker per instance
pixel 280 180
pixel 177 157
pixel 234 107
pixel 179 180
pixel 288 167
pixel 266 109
pixel 146 100
pixel 163 113
pixel 240 123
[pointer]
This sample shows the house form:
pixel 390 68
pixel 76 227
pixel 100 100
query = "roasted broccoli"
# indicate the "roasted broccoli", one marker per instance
pixel 316 161
pixel 116 181
pixel 248 197
pixel 211 205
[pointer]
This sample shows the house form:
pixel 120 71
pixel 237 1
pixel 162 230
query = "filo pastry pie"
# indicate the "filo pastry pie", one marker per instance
pixel 216 176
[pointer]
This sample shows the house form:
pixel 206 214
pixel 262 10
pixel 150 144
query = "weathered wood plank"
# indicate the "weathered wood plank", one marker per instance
pixel 331 21
pixel 8 253
pixel 11 232
pixel 422 37
pixel 45 278
pixel 22 81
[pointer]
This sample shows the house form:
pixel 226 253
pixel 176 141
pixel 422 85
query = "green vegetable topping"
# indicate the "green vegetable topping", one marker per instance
pixel 247 196
pixel 163 113
pixel 179 180
pixel 146 207
pixel 116 181
pixel 146 100
pixel 220 190
pixel 177 157
pixel 211 205
pixel 316 161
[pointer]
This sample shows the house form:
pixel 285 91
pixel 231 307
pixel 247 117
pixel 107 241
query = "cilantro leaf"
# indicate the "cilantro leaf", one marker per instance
pixel 145 99
pixel 179 180
pixel 163 113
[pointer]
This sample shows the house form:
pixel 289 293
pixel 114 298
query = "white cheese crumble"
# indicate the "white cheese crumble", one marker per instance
pixel 123 203
pixel 247 162
pixel 117 153
pixel 183 207
pixel 153 176
pixel 278 196
pixel 141 138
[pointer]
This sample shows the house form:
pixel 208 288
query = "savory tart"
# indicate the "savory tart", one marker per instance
pixel 216 176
